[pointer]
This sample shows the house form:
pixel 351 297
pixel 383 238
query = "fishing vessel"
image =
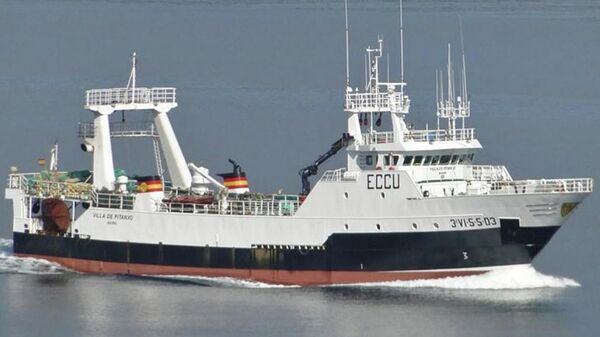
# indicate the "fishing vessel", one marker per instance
pixel 410 203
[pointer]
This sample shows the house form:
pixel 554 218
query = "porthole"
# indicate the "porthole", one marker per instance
pixel 345 195
pixel 436 225
pixel 414 225
pixel 378 226
pixel 382 195
pixel 346 226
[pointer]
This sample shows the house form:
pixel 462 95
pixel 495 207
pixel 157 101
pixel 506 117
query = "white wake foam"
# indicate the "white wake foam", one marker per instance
pixel 13 264
pixel 517 277
pixel 218 281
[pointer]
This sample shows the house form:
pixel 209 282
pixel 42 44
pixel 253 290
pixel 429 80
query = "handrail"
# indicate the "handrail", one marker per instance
pixel 113 96
pixel 377 101
pixel 340 174
pixel 33 184
pixel 234 207
pixel 113 200
pixel 119 129
pixel 569 185
pixel 490 173
pixel 434 135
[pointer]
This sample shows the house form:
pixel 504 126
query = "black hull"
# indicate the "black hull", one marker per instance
pixel 377 252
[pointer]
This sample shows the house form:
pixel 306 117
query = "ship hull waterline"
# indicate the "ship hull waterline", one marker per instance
pixel 282 277
pixel 281 266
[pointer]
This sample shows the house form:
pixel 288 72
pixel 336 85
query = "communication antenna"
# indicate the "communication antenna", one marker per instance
pixel 131 81
pixel 388 67
pixel 464 106
pixel 366 71
pixel 54 157
pixel 439 85
pixel 464 64
pixel 347 47
pixel 450 76
pixel 401 45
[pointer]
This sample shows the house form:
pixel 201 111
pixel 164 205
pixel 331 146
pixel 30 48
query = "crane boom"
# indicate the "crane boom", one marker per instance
pixel 312 169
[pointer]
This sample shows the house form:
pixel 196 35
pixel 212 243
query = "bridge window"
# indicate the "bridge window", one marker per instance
pixel 386 160
pixel 471 157
pixel 463 158
pixel 407 160
pixel 418 160
pixel 396 160
pixel 445 160
pixel 454 159
pixel 427 160
pixel 435 160
pixel 369 160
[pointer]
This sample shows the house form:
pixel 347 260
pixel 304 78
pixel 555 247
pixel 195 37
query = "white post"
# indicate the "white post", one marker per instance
pixel 401 46
pixel 178 169
pixel 347 46
pixel 104 170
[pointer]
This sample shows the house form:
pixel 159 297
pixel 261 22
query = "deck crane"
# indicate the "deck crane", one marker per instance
pixel 312 169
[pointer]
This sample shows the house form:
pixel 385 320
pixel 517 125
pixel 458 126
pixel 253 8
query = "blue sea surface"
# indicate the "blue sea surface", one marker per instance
pixel 262 82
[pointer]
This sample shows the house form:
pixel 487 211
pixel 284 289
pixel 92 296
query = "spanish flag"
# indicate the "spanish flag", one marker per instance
pixel 149 184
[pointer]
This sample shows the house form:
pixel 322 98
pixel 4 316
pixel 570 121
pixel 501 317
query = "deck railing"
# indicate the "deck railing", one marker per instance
pixel 340 174
pixel 236 207
pixel 112 200
pixel 375 102
pixel 571 185
pixel 34 184
pixel 439 135
pixel 418 136
pixel 128 129
pixel 113 96
pixel 489 173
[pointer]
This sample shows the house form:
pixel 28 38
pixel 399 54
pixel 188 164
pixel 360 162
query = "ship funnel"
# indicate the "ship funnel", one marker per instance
pixel 236 181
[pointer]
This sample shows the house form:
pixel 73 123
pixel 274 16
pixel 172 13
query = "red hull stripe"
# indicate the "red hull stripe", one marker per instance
pixel 288 277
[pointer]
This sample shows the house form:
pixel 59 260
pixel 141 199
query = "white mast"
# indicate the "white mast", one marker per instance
pixel 132 75
pixel 437 97
pixel 401 47
pixel 464 65
pixel 388 67
pixel 54 157
pixel 347 47
pixel 366 73
pixel 464 107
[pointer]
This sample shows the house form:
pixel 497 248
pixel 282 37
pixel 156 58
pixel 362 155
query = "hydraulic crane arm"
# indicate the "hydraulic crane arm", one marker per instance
pixel 312 169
